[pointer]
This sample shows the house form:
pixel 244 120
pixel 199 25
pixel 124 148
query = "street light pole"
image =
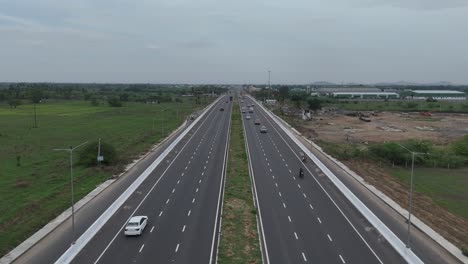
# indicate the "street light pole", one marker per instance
pixel 71 149
pixel 411 192
pixel 269 85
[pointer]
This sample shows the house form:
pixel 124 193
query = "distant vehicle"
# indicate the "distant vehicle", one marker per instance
pixel 230 98
pixel 365 119
pixel 263 129
pixel 243 109
pixel 242 101
pixel 247 117
pixel 221 109
pixel 257 121
pixel 250 110
pixel 136 225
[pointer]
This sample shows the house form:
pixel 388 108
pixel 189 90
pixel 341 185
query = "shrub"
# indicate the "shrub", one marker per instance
pixel 88 156
pixel 411 105
pixel 390 151
pixel 114 102
pixel 465 251
pixel 460 147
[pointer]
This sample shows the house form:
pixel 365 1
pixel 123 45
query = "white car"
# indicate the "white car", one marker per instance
pixel 136 225
pixel 247 117
pixel 263 129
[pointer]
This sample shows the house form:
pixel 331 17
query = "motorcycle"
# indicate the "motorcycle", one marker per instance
pixel 303 157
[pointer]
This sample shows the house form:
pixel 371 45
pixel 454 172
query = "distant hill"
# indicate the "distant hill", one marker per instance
pixel 404 83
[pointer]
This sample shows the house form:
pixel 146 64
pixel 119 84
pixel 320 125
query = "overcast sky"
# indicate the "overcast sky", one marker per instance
pixel 225 41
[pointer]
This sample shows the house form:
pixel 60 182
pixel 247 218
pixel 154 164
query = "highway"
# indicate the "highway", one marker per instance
pixel 182 200
pixel 302 220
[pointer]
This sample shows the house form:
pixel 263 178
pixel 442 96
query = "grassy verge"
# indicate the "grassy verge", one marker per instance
pixel 38 190
pixel 239 238
pixel 447 188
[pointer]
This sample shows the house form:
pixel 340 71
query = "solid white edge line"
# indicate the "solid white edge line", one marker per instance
pixel 261 238
pixel 393 239
pixel 219 210
pixel 84 239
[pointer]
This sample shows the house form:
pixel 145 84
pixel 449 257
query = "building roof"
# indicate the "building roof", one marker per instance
pixel 346 89
pixel 436 92
pixel 369 93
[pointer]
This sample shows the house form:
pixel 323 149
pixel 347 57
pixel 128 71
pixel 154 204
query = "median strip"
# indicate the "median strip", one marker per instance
pixel 239 238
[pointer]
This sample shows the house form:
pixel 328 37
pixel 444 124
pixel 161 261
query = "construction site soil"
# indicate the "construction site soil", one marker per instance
pixel 329 126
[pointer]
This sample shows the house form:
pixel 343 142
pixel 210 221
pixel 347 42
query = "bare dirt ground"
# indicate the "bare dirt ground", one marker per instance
pixel 386 126
pixel 441 129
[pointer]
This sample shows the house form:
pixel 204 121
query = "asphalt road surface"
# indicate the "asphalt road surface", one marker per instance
pixel 303 221
pixel 182 202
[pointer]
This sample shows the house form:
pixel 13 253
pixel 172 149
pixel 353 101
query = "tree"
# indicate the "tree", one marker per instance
pixel 88 156
pixel 94 101
pixel 114 102
pixel 124 97
pixel 314 104
pixel 283 92
pixel 13 102
pixel 297 99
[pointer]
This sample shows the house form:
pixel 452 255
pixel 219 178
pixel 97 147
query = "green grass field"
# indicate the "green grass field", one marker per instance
pixel 38 190
pixel 239 238
pixel 448 188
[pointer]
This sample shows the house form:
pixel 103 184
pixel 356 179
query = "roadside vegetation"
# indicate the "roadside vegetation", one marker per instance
pixel 239 238
pixel 34 179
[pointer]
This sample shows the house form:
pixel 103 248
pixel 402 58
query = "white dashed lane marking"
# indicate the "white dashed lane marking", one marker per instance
pixel 320 221
pixel 152 228
pixel 177 248
pixel 295 235
pixel 329 237
pixel 142 246
pixel 342 260
pixel 183 229
pixel 160 213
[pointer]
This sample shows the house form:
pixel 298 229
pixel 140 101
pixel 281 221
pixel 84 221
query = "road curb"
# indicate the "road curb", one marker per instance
pixel 65 215
pixel 444 243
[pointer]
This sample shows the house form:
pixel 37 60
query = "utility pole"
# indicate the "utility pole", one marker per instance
pixel 99 153
pixel 71 149
pixel 269 85
pixel 411 193
pixel 35 116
